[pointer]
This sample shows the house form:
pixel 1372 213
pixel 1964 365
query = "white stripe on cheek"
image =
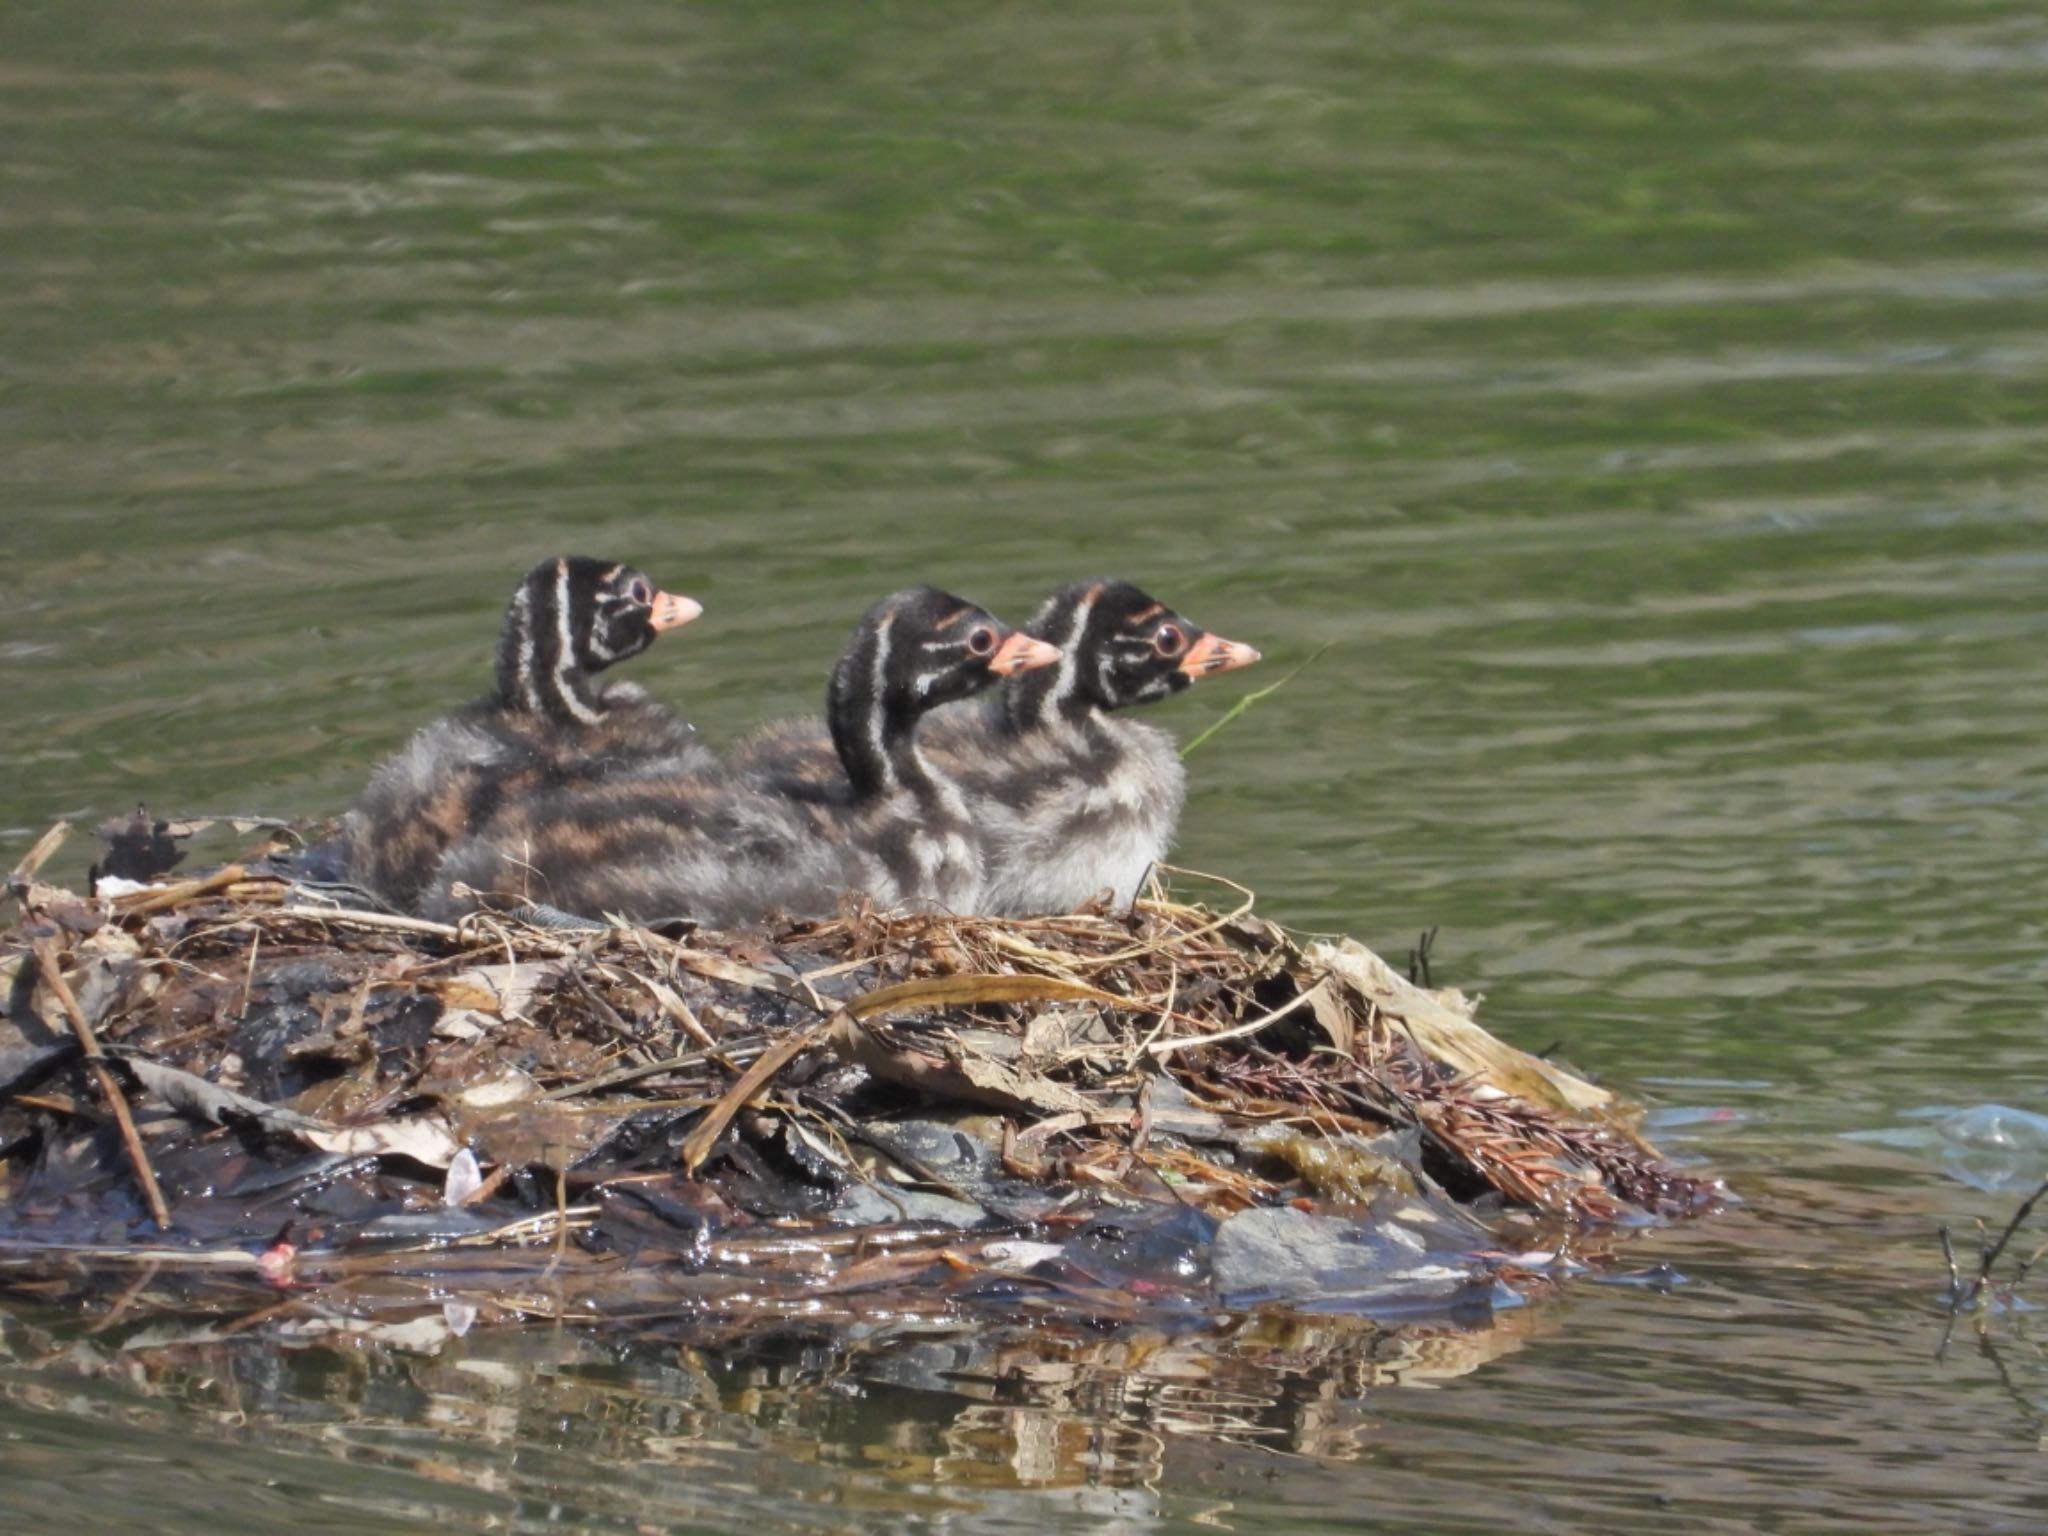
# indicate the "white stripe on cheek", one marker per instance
pixel 1063 680
pixel 599 636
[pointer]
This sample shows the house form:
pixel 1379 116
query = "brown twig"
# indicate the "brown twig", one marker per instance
pixel 733 1052
pixel 1166 1048
pixel 752 1081
pixel 679 1011
pixel 53 978
pixel 127 1299
pixel 350 917
pixel 176 895
pixel 620 1029
pixel 1992 1251
pixel 249 975
pixel 33 861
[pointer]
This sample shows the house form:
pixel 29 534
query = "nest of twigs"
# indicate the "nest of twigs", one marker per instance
pixel 237 1076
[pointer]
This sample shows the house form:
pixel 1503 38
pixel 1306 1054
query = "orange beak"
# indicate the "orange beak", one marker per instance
pixel 1212 654
pixel 672 611
pixel 1021 653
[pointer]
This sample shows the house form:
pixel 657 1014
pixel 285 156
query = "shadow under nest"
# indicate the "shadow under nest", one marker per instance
pixel 237 1085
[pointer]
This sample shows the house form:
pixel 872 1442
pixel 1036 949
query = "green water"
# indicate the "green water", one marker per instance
pixel 1650 402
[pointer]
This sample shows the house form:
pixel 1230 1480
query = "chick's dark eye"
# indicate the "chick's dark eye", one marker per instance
pixel 637 591
pixel 1168 640
pixel 982 642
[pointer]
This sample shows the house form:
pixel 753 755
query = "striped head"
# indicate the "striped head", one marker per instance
pixel 913 651
pixel 1118 647
pixel 569 620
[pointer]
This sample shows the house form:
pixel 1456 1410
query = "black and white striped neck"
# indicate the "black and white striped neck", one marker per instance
pixel 1056 695
pixel 539 669
pixel 914 651
pixel 873 727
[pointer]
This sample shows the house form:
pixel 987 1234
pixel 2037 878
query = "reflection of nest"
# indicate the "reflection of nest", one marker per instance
pixel 965 1408
pixel 619 1122
pixel 1272 1381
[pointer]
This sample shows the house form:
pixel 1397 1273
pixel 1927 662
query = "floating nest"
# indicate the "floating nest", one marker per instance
pixel 243 1086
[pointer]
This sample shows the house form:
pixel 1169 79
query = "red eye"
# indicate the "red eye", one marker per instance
pixel 1169 641
pixel 982 642
pixel 638 591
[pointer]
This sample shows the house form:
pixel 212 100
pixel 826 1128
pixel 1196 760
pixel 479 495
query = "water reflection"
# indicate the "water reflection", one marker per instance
pixel 1733 1395
pixel 923 1414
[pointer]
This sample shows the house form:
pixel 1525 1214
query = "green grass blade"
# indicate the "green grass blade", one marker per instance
pixel 1255 695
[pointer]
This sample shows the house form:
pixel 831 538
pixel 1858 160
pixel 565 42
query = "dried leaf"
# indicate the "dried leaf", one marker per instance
pixel 465 1024
pixel 984 1080
pixel 1056 1037
pixel 719 968
pixel 967 991
pixel 553 1135
pixel 499 989
pixel 20 1064
pixel 189 1094
pixel 959 1074
pixel 421 1138
pixel 464 1179
pixel 506 1087
pixel 1326 1004
pixel 1451 1037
